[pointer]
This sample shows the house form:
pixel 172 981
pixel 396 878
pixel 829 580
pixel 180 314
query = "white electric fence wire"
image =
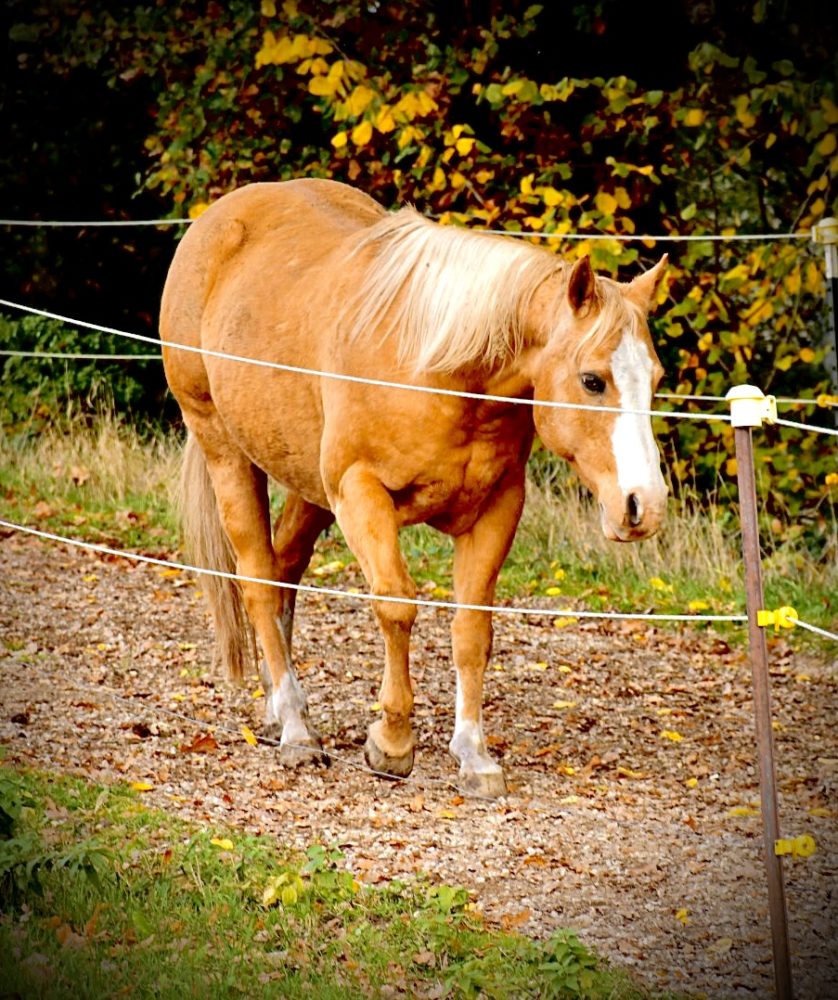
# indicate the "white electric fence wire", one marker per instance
pixel 619 237
pixel 70 223
pixel 818 631
pixel 565 612
pixel 661 238
pixel 66 356
pixel 63 355
pixel 805 427
pixel 298 370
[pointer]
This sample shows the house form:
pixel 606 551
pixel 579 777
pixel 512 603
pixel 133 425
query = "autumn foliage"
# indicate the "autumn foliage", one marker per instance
pixel 502 116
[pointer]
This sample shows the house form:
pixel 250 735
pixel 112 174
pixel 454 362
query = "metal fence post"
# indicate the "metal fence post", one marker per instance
pixel 749 407
pixel 825 234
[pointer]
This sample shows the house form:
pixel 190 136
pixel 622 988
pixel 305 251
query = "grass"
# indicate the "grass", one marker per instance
pixel 102 897
pixel 106 482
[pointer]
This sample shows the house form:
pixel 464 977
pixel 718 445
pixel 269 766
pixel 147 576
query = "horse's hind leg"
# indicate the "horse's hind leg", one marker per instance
pixel 242 496
pixel 297 529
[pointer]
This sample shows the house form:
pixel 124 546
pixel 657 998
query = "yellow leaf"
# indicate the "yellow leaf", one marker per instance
pixel 691 782
pixel 526 184
pixel 249 737
pixel 831 479
pixel 268 8
pixel 553 591
pixel 671 734
pixel 700 605
pixel 339 140
pixel 743 110
pixel 682 916
pixel 564 704
pixel 827 145
pixel 694 117
pixel 541 665
pixel 551 196
pixel 731 467
pixel 142 786
pixel 807 355
pixel 197 209
pixel 288 895
pixel 446 814
pixel 627 772
pixel 658 584
pixel 361 135
pixel 743 811
pixel 223 842
pixel 323 86
pixel 258 693
pixel 512 88
pixel 821 811
pixel 564 622
pixel 465 145
pixel 605 203
pixel 375 706
pixel 385 121
pixel 358 100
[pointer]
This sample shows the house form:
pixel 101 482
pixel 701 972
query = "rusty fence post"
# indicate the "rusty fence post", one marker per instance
pixel 749 407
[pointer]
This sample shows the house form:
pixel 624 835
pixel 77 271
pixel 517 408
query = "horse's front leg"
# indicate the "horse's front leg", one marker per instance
pixel 367 516
pixel 478 557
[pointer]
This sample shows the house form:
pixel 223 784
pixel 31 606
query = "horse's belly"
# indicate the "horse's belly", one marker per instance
pixel 274 417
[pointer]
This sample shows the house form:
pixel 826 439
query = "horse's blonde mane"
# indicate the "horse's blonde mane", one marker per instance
pixel 457 298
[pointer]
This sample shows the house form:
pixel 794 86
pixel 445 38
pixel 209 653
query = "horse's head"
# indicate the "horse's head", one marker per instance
pixel 599 353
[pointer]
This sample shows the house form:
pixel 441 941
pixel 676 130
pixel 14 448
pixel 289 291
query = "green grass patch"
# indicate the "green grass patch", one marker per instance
pixel 103 897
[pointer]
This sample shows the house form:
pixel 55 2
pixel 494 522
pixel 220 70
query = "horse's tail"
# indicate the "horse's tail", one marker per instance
pixel 207 547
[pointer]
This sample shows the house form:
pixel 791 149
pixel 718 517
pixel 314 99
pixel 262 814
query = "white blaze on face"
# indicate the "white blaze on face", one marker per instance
pixel 635 450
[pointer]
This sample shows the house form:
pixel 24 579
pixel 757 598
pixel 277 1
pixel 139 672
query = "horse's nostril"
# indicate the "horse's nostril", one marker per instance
pixel 635 510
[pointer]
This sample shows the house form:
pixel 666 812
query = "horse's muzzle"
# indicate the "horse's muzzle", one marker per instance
pixel 639 516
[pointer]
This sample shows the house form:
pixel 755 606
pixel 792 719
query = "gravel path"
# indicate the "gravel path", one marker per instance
pixel 629 752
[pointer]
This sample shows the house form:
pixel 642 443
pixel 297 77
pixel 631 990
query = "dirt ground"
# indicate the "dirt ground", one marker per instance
pixel 629 751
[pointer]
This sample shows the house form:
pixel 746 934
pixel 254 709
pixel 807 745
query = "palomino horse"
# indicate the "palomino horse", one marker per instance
pixel 314 274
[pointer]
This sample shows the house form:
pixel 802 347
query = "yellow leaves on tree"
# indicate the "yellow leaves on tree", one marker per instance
pixel 278 50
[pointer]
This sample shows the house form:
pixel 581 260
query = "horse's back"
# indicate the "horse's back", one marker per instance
pixel 255 276
pixel 255 231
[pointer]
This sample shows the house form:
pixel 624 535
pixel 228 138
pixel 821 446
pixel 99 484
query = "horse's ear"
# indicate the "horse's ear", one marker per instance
pixel 580 287
pixel 642 290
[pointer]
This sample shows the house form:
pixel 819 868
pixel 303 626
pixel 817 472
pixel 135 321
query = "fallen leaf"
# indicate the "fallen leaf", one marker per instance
pixel 671 734
pixel 510 920
pixel 203 743
pixel 142 786
pixel 223 842
pixel 682 916
pixel 721 947
pixel 249 736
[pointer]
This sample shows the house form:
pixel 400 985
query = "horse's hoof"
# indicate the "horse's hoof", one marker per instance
pixel 488 784
pixel 385 764
pixel 299 754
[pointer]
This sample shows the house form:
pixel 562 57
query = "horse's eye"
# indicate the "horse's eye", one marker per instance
pixel 593 383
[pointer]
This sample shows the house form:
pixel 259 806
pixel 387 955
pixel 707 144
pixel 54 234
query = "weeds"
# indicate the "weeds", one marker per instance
pixel 175 910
